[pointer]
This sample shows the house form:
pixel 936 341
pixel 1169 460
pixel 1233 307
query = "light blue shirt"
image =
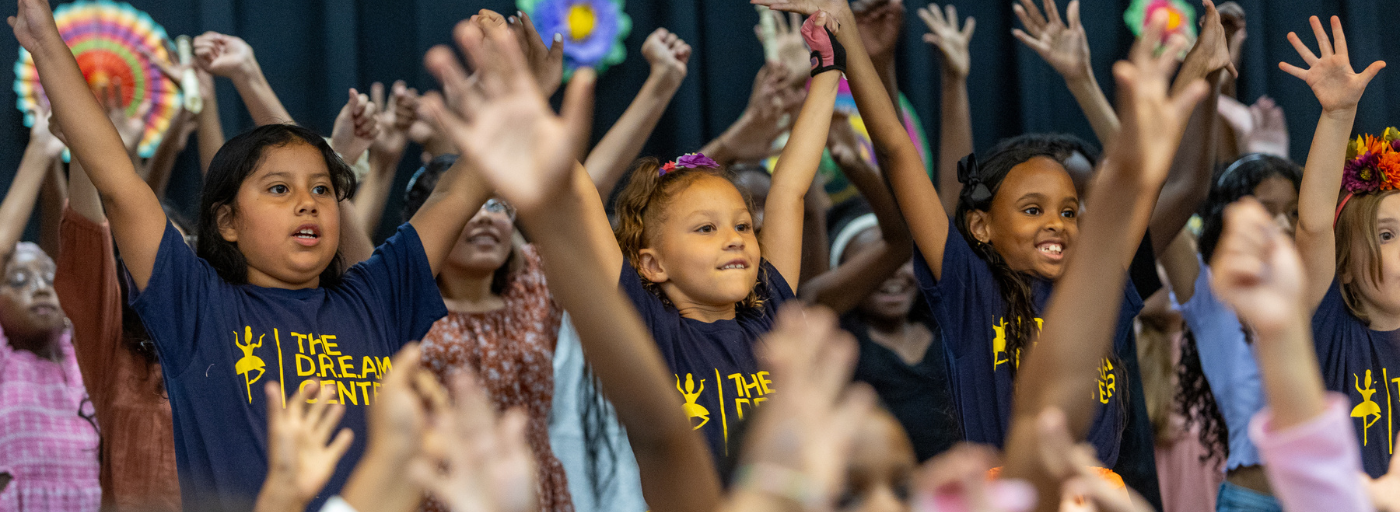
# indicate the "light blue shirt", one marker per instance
pixel 1229 365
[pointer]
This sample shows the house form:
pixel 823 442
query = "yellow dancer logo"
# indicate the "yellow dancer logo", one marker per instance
pixel 692 409
pixel 249 363
pixel 1367 407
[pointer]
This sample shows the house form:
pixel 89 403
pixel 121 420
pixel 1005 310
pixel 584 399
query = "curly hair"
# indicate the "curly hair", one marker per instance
pixel 643 203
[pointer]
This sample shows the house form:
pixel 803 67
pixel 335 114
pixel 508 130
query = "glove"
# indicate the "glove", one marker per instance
pixel 827 52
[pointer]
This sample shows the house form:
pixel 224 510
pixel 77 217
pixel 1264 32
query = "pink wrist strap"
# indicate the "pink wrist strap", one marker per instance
pixel 827 52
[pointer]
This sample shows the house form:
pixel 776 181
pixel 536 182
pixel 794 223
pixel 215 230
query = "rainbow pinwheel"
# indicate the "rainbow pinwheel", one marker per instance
pixel 593 30
pixel 113 43
pixel 1181 17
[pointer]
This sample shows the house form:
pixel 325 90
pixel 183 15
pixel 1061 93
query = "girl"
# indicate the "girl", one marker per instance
pixel 267 273
pixel 1220 389
pixel 694 268
pixel 501 322
pixel 1348 248
pixel 48 449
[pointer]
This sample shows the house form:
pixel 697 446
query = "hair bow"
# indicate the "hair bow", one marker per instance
pixel 974 191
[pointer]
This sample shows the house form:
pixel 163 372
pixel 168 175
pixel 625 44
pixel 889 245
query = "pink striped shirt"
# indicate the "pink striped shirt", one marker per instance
pixel 46 443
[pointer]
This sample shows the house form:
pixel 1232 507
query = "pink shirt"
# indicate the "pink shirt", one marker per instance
pixel 46 442
pixel 1313 465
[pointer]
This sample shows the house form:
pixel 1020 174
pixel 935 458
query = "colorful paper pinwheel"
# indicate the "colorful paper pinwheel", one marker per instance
pixel 1181 17
pixel 593 30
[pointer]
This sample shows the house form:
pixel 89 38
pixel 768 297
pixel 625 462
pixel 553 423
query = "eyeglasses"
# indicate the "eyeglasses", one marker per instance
pixel 494 205
pixel 30 281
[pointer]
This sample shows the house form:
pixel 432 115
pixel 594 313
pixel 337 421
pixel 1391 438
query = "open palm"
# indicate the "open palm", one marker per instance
pixel 951 41
pixel 1064 46
pixel 1329 72
pixel 500 121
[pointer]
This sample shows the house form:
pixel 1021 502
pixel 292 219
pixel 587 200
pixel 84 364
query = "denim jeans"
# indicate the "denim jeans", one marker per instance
pixel 1233 498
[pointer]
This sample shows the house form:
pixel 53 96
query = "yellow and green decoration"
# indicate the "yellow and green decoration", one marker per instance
pixel 593 30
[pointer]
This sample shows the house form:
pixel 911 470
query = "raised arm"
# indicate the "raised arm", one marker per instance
pixel 904 169
pixel 162 163
pixel 529 161
pixel 955 134
pixel 1065 47
pixel 138 222
pixel 1060 371
pixel 667 55
pixel 845 286
pixel 24 189
pixel 211 130
pixel 782 214
pixel 231 57
pixel 1338 89
pixel 356 127
pixel 399 112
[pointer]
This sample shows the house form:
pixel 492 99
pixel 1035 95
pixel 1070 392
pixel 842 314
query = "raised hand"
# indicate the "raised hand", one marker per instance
pixel 751 137
pixel 1256 270
pixel 809 429
pixel 546 63
pixel 953 43
pixel 789 46
pixel 844 144
pixel 1152 120
pixel 300 451
pixel 1337 87
pixel 1073 464
pixel 1212 50
pixel 499 120
pixel 33 24
pixel 397 114
pixel 131 128
pixel 880 23
pixel 957 480
pixel 667 53
pixel 484 462
pixel 356 126
pixel 223 55
pixel 44 134
pixel 837 8
pixel 1064 47
pixel 1233 20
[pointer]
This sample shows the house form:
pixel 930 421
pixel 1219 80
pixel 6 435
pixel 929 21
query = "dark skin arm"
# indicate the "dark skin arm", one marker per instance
pixel 844 287
pixel 1060 371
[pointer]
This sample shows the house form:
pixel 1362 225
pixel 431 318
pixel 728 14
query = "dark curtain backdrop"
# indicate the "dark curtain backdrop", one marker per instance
pixel 312 50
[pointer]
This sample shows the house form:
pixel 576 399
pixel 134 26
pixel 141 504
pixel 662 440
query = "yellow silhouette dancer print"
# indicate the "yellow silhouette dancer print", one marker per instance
pixel 999 355
pixel 692 409
pixel 1367 407
pixel 249 363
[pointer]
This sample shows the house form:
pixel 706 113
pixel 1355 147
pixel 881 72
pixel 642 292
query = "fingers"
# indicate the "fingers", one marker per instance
pixel 1026 39
pixel 376 96
pixel 951 16
pixel 1052 13
pixel 1145 47
pixel 1323 42
pixel 1297 72
pixel 1371 71
pixel 1026 20
pixel 274 396
pixel 795 21
pixel 1303 51
pixel 1072 14
pixel 1031 12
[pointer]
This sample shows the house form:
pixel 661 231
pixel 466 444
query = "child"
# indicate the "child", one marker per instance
pixel 1220 388
pixel 530 161
pixel 1345 247
pixel 48 436
pixel 694 268
pixel 267 273
pixel 1310 456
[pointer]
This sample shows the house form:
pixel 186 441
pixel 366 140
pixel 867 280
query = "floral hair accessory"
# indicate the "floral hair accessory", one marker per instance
pixel 689 161
pixel 1373 165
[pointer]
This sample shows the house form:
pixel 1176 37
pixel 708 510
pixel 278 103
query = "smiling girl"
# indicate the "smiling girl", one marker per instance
pixel 265 296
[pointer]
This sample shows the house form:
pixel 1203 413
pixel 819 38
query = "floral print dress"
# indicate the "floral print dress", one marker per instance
pixel 512 351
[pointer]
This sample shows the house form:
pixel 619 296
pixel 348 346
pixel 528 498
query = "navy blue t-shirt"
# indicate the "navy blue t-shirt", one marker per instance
pixel 1364 365
pixel 220 343
pixel 717 378
pixel 916 394
pixel 968 306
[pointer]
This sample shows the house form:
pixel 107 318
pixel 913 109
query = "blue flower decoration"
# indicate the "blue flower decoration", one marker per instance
pixel 593 30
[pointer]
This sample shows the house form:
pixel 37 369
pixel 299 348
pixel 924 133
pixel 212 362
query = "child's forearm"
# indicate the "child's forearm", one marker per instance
pixel 259 98
pixel 1188 183
pixel 1095 105
pixel 162 163
pixel 23 193
pixel 82 196
pixel 52 196
pixel 1317 201
pixel 793 175
pixel 1291 375
pixel 623 142
pixel 954 138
